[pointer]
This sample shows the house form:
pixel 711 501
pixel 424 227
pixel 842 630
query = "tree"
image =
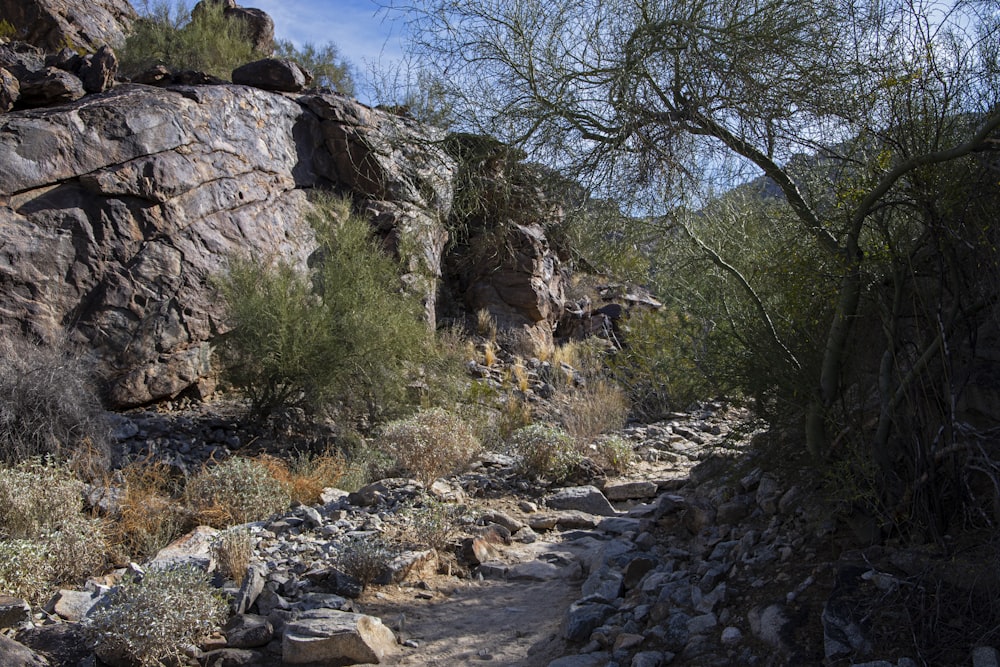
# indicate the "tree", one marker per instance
pixel 328 68
pixel 861 119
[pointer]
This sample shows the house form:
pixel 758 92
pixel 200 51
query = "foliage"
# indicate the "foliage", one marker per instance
pixel 345 334
pixel 662 365
pixel 25 569
pixel 233 551
pixel 7 30
pixel 432 524
pixel 306 475
pixel 153 619
pixel 49 405
pixel 151 514
pixel 545 452
pixel 597 407
pixel 37 497
pixel 614 453
pixel 237 490
pixel 325 64
pixel 171 35
pixel 429 444
pixel 365 558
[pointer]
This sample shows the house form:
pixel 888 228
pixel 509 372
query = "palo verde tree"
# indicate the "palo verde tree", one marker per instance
pixel 864 121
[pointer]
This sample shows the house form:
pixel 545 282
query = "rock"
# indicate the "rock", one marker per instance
pixel 248 631
pixel 54 24
pixel 619 525
pixel 278 74
pixel 539 570
pixel 631 490
pixel 98 70
pixel 583 617
pixel 769 625
pixel 636 569
pixel 336 638
pixel 250 589
pixel 587 499
pixel 236 657
pixel 149 210
pixel 75 605
pixel 409 563
pixel 62 643
pixel 193 549
pixel 10 90
pixel 603 584
pixel 648 659
pixel 332 580
pixel 476 550
pixel 985 656
pixel 501 519
pixel 700 625
pixel 566 520
pixel 49 86
pixel 768 493
pixel 14 612
pixel 731 636
pixel 599 659
pixel 13 654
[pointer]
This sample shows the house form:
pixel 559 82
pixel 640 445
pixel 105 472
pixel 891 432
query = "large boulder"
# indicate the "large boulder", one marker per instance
pixel 117 210
pixel 331 637
pixel 84 25
pixel 259 26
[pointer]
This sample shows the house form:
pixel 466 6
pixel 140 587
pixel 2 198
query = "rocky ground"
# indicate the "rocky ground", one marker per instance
pixel 699 555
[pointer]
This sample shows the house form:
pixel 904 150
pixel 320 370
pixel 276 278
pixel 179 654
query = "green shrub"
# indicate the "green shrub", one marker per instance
pixel 345 335
pixel 152 620
pixel 429 444
pixel 171 35
pixel 545 452
pixel 614 453
pixel 49 405
pixel 432 525
pixel 365 558
pixel 328 69
pixel 25 569
pixel 238 490
pixel 36 497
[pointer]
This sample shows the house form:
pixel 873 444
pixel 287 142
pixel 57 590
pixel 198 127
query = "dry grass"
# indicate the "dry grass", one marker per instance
pixel 486 325
pixel 233 551
pixel 489 354
pixel 519 373
pixel 306 476
pixel 587 412
pixel 150 516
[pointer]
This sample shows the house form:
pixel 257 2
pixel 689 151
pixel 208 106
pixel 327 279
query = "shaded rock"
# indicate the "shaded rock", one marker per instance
pixel 636 569
pixel 48 87
pixel 336 638
pixel 583 617
pixel 98 70
pixel 599 659
pixel 603 584
pixel 54 24
pixel 631 490
pixel 476 550
pixel 248 631
pixel 10 90
pixel 770 625
pixel 63 643
pixel 587 499
pixel 278 74
pixel 502 519
pixel 157 75
pixel 14 612
pixel 568 519
pixel 250 589
pixel 332 580
pixel 193 549
pixel 985 656
pixel 14 654
pixel 236 657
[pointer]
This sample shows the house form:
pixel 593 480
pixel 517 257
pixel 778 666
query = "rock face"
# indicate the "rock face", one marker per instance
pixel 78 24
pixel 116 210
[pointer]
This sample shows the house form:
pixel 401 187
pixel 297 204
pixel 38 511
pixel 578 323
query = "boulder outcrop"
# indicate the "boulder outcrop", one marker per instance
pixel 116 210
pixel 56 24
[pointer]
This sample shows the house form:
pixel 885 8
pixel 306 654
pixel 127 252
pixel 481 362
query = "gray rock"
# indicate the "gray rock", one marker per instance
pixel 731 636
pixel 14 612
pixel 97 73
pixel 985 656
pixel 770 624
pixel 75 605
pixel 333 637
pixel 587 499
pixel 13 654
pixel 193 549
pixel 619 525
pixel 277 74
pixel 248 631
pixel 566 520
pixel 49 87
pixel 583 617
pixel 648 659
pixel 598 659
pixel 631 490
pixel 236 657
pixel 250 589
pixel 700 625
pixel 10 90
pixel 52 24
pixel 603 584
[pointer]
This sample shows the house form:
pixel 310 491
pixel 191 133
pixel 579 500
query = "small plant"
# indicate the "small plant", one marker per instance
pixel 25 569
pixel 153 619
pixel 545 452
pixel 365 559
pixel 150 516
pixel 486 325
pixel 520 375
pixel 7 30
pixel 48 405
pixel 238 490
pixel 489 354
pixel 596 408
pixel 305 475
pixel 432 525
pixel 328 69
pixel 430 444
pixel 233 551
pixel 37 497
pixel 615 453
pixel 78 549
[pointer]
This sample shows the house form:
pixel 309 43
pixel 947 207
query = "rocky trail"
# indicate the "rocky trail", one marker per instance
pixel 697 556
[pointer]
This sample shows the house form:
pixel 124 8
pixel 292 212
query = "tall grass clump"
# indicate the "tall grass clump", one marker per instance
pixel 342 335
pixel 173 36
pixel 49 405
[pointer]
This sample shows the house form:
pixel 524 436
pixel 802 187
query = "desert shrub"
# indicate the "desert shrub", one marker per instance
pixel 328 69
pixel 614 453
pixel 150 515
pixel 429 444
pixel 25 569
pixel 545 452
pixel 233 551
pixel 153 619
pixel 237 490
pixel 344 335
pixel 587 412
pixel 365 558
pixel 171 35
pixel 37 497
pixel 306 475
pixel 432 524
pixel 78 549
pixel 661 366
pixel 49 404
